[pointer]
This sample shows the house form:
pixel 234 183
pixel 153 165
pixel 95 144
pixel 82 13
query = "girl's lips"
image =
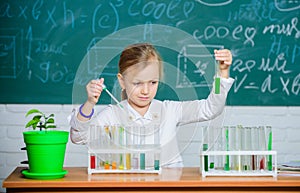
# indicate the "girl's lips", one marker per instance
pixel 144 98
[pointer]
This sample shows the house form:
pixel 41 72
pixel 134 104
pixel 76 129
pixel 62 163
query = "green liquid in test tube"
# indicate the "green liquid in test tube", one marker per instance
pixel 217 85
pixel 269 134
pixel 205 147
pixel 142 161
pixel 217 80
pixel 227 168
pixel 156 164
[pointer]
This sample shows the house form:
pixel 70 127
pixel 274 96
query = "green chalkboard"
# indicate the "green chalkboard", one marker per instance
pixel 49 50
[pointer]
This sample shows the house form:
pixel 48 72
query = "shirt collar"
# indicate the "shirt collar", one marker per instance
pixel 134 115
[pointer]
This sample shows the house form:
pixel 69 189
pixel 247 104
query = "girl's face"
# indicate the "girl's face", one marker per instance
pixel 141 83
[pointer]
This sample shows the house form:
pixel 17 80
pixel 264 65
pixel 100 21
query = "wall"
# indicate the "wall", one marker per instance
pixel 284 120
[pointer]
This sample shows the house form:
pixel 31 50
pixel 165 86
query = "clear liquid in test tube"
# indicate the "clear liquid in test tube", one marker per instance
pixel 233 147
pixel 135 156
pixel 246 146
pixel 239 130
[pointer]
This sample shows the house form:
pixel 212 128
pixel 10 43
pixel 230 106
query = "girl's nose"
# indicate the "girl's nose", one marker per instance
pixel 145 89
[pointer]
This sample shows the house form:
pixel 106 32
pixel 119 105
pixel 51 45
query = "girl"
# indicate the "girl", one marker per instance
pixel 140 69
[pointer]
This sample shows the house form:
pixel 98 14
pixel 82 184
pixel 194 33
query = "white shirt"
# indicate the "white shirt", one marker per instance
pixel 168 115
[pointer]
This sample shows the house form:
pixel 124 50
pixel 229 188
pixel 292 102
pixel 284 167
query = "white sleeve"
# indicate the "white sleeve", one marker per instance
pixel 79 129
pixel 206 109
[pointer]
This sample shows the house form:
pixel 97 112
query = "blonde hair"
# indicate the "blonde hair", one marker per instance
pixel 138 54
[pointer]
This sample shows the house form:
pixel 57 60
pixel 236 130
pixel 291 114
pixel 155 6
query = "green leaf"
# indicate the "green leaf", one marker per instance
pixel 32 123
pixel 40 120
pixel 52 115
pixel 37 117
pixel 51 120
pixel 33 111
pixel 50 126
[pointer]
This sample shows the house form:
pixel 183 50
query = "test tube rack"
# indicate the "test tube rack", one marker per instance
pixel 123 160
pixel 238 151
pixel 239 170
pixel 119 149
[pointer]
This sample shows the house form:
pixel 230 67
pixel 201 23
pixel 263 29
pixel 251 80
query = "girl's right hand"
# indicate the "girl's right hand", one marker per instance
pixel 94 90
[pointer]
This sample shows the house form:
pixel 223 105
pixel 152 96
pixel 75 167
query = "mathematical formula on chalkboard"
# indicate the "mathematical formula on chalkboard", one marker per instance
pixel 49 50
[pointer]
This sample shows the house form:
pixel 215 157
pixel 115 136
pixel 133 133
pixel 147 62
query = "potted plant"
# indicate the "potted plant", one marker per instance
pixel 45 148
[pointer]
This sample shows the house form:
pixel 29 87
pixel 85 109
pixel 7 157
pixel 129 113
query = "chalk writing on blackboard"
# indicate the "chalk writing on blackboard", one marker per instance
pixel 42 43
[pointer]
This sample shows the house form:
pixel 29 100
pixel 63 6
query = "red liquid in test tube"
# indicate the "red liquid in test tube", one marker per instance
pixel 93 161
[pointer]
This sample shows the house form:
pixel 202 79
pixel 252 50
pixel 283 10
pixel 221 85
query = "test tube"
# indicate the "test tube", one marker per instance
pixel 92 161
pixel 227 161
pixel 142 146
pixel 262 147
pixel 129 145
pixel 128 161
pixel 99 136
pixel 114 162
pixel 135 156
pixel 217 78
pixel 239 129
pixel 219 145
pixel 211 146
pixel 135 161
pixel 246 146
pixel 121 144
pixel 92 136
pixel 269 140
pixel 142 161
pixel 114 136
pixel 233 147
pixel 157 145
pixel 101 145
pixel 108 144
pixel 204 148
pixel 255 146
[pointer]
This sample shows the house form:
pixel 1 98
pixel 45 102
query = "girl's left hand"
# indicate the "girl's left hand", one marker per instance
pixel 225 59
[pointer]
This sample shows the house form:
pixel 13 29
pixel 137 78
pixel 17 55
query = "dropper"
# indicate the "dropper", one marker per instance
pixel 112 96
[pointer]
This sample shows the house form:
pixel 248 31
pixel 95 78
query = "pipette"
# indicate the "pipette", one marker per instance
pixel 112 96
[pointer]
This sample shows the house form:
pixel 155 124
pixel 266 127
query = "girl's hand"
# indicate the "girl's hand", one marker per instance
pixel 94 90
pixel 225 59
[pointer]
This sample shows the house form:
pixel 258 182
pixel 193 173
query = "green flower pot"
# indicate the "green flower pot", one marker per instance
pixel 46 153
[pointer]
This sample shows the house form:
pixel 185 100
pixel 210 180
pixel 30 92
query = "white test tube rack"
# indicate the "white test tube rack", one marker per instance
pixel 247 158
pixel 97 168
pixel 108 152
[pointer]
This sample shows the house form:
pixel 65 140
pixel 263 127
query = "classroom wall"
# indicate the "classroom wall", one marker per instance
pixel 284 121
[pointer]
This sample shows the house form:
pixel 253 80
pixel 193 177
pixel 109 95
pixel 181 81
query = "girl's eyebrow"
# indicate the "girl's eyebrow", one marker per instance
pixel 138 80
